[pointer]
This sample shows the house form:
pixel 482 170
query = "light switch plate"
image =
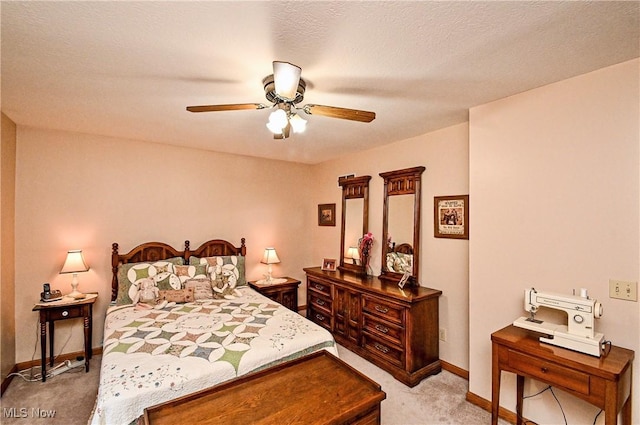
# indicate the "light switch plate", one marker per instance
pixel 623 290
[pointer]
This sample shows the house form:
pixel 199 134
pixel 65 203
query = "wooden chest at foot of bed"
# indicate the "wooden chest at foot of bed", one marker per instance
pixel 315 389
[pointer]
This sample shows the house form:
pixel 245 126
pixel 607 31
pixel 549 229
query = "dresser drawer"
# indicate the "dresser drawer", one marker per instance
pixel 549 372
pixel 383 309
pixel 374 325
pixel 389 352
pixel 318 286
pixel 320 301
pixel 66 313
pixel 319 317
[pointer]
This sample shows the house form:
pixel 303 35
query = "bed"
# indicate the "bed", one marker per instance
pixel 152 355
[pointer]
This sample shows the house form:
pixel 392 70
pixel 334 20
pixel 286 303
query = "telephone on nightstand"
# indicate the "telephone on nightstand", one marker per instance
pixel 47 295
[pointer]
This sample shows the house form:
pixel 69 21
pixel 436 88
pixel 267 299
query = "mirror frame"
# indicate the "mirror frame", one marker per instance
pixel 402 182
pixel 353 188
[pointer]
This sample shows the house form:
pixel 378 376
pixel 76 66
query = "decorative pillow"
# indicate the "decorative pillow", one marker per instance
pixel 176 295
pixel 227 269
pixel 399 262
pixel 162 272
pixel 201 288
pixel 193 271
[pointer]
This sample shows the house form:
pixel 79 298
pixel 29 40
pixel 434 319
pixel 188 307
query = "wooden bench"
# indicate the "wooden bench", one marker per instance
pixel 315 389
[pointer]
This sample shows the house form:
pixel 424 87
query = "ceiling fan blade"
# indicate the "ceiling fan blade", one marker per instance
pixel 344 113
pixel 230 107
pixel 286 77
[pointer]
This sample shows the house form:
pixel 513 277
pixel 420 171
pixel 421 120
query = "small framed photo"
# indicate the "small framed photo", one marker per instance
pixel 326 214
pixel 329 264
pixel 404 280
pixel 451 217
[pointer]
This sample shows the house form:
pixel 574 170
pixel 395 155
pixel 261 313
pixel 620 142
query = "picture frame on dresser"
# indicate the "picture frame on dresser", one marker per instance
pixel 329 264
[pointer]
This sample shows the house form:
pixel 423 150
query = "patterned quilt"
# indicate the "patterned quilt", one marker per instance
pixel 151 356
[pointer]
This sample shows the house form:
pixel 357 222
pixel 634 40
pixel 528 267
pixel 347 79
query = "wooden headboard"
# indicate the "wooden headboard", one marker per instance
pixel 156 251
pixel 404 248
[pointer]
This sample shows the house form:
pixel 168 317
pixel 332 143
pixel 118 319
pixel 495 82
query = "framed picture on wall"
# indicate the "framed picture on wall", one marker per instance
pixel 451 217
pixel 326 214
pixel 329 264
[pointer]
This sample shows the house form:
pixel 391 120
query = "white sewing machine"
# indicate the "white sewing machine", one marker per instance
pixel 579 334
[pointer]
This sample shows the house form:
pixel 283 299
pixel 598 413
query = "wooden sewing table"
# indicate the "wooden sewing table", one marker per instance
pixel 602 381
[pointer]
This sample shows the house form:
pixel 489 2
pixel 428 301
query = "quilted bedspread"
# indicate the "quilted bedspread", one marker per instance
pixel 151 356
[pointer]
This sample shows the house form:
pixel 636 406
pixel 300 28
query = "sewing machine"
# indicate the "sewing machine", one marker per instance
pixel 578 334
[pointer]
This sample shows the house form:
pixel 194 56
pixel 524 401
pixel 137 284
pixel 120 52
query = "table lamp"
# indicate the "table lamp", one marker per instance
pixel 270 257
pixel 74 264
pixel 353 253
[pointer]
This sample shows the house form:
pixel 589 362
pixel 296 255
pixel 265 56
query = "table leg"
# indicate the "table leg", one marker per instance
pixel 519 396
pixel 495 385
pixel 51 334
pixel 90 331
pixel 87 342
pixel 43 348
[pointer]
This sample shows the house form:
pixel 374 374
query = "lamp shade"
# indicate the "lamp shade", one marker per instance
pixel 352 252
pixel 270 256
pixel 74 263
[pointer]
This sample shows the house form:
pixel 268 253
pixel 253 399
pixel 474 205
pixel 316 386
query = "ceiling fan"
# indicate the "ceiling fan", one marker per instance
pixel 285 89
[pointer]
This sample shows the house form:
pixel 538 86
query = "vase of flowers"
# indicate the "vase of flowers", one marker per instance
pixel 365 244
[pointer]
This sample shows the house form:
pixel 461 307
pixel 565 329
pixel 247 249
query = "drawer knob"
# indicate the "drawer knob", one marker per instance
pixel 381 309
pixel 319 301
pixel 320 317
pixel 65 313
pixel 544 370
pixel 382 329
pixel 381 347
pixel 319 287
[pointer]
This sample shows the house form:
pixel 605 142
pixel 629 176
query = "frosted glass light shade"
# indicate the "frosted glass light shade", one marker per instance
pixel 298 123
pixel 286 77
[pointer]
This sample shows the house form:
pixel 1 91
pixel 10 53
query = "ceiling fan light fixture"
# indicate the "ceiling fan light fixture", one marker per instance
pixel 274 128
pixel 298 124
pixel 278 118
pixel 286 78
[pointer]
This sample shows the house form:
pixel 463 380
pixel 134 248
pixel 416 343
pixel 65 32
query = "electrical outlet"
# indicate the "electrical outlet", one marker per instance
pixel 623 290
pixel 443 334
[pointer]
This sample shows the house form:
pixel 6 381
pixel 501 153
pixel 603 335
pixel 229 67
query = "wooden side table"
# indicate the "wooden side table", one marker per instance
pixel 602 381
pixel 285 293
pixel 62 310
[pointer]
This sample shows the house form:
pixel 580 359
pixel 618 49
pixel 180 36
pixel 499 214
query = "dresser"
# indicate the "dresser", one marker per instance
pixel 396 329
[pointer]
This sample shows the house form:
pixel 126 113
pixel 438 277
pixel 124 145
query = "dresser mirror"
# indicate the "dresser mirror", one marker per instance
pixel 355 221
pixel 401 224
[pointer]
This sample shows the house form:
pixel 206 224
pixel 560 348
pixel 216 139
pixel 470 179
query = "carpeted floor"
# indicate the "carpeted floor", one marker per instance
pixel 65 399
pixel 439 399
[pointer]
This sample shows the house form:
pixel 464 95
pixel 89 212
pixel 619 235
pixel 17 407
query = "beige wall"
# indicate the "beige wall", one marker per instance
pixel 82 191
pixel 443 262
pixel 554 181
pixel 7 251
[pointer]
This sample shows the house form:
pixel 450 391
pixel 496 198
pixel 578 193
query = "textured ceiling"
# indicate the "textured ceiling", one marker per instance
pixel 129 69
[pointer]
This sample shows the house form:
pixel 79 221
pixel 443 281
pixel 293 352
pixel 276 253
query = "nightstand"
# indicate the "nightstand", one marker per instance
pixel 285 293
pixel 61 310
